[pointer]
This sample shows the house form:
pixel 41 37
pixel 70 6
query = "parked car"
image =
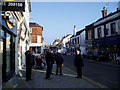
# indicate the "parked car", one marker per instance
pixel 100 56
pixel 88 55
pixel 117 60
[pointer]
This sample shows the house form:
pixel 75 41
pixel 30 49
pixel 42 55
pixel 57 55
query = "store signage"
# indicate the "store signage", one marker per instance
pixel 12 5
pixel 108 40
pixel 10 21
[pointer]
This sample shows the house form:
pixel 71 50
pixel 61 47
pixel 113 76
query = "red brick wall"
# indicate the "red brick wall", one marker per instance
pixel 36 31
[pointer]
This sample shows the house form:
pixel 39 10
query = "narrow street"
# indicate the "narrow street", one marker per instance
pixel 32 31
pixel 67 80
pixel 95 75
pixel 105 73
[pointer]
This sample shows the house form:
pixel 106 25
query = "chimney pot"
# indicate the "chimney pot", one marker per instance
pixel 104 12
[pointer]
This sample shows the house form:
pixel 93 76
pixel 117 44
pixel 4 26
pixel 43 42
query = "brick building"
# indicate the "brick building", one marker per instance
pixel 37 38
pixel 36 33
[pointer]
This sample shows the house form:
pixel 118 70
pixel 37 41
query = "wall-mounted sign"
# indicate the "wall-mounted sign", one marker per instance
pixel 12 5
pixel 10 21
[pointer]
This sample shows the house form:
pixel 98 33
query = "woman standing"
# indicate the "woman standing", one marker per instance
pixel 78 63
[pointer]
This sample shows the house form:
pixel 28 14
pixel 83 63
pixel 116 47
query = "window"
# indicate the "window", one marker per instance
pixel 99 32
pixel 89 34
pixel 78 40
pixel 113 28
pixel 39 39
pixel 75 41
pixel 106 31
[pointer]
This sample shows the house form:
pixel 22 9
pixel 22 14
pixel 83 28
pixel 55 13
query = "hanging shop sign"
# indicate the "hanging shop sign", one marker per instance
pixel 10 21
pixel 12 5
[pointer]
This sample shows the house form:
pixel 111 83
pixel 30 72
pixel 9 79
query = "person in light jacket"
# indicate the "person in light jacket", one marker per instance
pixel 59 62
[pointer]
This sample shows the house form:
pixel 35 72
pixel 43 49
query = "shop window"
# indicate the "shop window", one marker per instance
pixel 2 44
pixel 8 50
pixel 113 28
pixel 34 50
pixel 38 50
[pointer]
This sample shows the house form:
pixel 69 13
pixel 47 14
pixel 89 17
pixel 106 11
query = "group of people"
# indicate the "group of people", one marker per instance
pixel 52 58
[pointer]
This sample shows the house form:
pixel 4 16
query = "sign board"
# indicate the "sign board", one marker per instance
pixel 12 5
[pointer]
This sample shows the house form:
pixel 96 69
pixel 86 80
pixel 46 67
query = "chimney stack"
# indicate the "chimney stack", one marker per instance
pixel 104 12
pixel 74 30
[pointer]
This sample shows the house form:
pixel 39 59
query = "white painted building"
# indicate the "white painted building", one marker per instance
pixel 65 40
pixel 23 39
pixel 64 43
pixel 111 21
pixel 78 41
pixel 107 34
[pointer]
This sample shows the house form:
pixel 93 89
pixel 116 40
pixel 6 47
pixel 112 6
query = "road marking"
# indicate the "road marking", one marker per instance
pixel 92 81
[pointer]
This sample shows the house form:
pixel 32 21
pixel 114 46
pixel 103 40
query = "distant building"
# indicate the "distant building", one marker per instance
pixel 65 40
pixel 64 43
pixel 56 42
pixel 78 41
pixel 37 37
pixel 89 37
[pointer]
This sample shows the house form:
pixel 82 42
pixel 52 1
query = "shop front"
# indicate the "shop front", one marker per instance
pixel 110 45
pixel 8 32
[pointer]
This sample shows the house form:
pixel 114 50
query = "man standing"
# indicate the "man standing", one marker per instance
pixel 29 63
pixel 49 63
pixel 78 63
pixel 52 58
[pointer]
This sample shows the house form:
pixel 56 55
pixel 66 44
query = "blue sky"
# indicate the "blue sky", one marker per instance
pixel 59 18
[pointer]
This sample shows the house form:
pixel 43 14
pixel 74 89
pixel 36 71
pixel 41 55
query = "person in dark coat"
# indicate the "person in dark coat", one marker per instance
pixel 49 63
pixel 59 62
pixel 78 63
pixel 52 58
pixel 29 63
